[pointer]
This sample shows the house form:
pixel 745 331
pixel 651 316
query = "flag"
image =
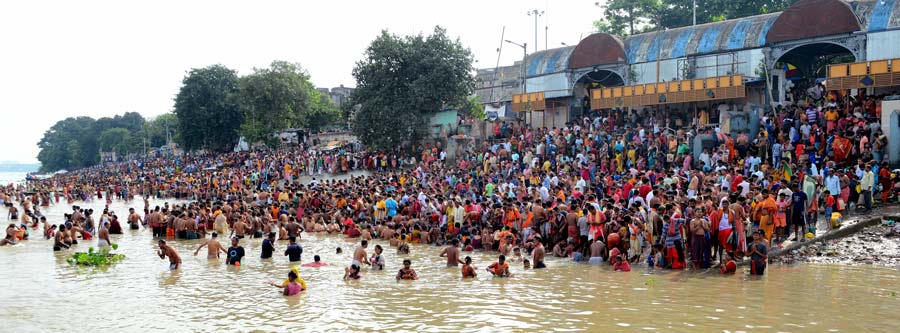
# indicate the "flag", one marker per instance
pixel 790 71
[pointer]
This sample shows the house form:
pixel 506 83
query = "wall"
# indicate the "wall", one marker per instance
pixel 745 63
pixel 646 72
pixel 447 119
pixel 883 45
pixel 553 85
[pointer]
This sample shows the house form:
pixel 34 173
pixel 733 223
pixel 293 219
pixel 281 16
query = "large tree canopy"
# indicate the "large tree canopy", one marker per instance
pixel 279 97
pixel 403 80
pixel 76 142
pixel 207 108
pixel 211 107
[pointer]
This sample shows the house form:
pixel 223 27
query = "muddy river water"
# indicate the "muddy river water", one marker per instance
pixel 40 292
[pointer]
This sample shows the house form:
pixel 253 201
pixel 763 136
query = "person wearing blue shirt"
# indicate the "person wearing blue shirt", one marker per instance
pixel 391 206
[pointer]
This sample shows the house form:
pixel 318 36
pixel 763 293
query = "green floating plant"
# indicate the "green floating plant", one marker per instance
pixel 92 258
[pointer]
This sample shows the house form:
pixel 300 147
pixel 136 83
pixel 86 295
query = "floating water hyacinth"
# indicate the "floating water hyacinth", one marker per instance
pixel 92 258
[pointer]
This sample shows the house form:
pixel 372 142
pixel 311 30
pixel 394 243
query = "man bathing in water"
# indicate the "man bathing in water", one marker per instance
pixel 359 255
pixel 538 255
pixel 213 247
pixel 452 254
pixel 499 268
pixel 168 251
pixel 134 220
pixel 103 236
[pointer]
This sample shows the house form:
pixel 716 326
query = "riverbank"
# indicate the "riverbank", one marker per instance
pixel 871 239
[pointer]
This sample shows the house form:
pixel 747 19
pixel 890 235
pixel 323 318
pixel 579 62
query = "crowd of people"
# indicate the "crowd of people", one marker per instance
pixel 616 188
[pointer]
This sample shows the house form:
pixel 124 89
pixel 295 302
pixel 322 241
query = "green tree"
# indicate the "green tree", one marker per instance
pixel 625 17
pixel 69 144
pixel 154 130
pixel 401 81
pixel 207 110
pixel 322 111
pixel 473 108
pixel 279 97
pixel 117 139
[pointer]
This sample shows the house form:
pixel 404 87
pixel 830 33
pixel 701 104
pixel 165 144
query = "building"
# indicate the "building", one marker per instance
pixel 338 95
pixel 745 61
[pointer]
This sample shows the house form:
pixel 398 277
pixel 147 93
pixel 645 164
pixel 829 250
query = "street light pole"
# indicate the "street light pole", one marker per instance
pixel 524 47
pixel 694 8
pixel 536 13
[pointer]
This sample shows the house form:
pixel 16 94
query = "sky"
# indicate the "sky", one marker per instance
pixel 63 58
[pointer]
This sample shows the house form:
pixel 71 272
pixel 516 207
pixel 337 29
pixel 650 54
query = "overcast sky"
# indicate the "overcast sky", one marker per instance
pixel 101 58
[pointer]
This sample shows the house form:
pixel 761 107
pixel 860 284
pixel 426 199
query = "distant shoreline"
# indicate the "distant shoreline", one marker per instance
pixel 19 167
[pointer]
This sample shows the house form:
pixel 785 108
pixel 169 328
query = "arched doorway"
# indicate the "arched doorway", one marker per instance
pixel 595 79
pixel 811 60
pixel 803 66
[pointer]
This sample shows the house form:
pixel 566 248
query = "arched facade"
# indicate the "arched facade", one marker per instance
pixel 597 49
pixel 813 18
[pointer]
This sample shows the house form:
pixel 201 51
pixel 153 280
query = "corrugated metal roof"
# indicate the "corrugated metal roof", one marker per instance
pixel 877 15
pixel 743 33
pixel 549 61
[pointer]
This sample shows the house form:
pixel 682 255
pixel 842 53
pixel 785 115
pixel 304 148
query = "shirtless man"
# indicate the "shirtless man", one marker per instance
pixel 539 253
pixel 597 250
pixel 359 255
pixel 156 223
pixel 452 254
pixel 213 247
pixel 59 240
pixel 239 228
pixel 367 233
pixel 293 228
pixel 333 227
pixel 103 236
pixel 134 220
pixel 168 251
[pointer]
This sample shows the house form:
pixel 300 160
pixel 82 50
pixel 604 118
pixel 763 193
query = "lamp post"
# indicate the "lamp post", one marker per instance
pixel 536 13
pixel 694 9
pixel 524 47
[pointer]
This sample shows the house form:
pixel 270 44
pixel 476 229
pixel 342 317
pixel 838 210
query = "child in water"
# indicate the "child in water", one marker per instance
pixel 292 288
pixel 620 261
pixel 651 259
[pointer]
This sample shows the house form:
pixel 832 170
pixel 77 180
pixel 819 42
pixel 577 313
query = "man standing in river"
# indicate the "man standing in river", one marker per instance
pixel 359 255
pixel 539 253
pixel 103 236
pixel 168 251
pixel 213 247
pixel 452 254
pixel 156 223
pixel 134 220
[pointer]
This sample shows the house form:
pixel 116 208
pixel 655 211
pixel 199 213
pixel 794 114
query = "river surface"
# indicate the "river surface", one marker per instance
pixel 141 294
pixel 12 177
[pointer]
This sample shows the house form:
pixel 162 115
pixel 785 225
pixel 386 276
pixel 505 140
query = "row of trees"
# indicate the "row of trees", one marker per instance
pixel 401 82
pixel 213 109
pixel 628 17
pixel 76 142
pixel 215 106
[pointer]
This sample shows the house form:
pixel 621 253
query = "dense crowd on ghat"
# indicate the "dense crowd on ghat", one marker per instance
pixel 617 188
